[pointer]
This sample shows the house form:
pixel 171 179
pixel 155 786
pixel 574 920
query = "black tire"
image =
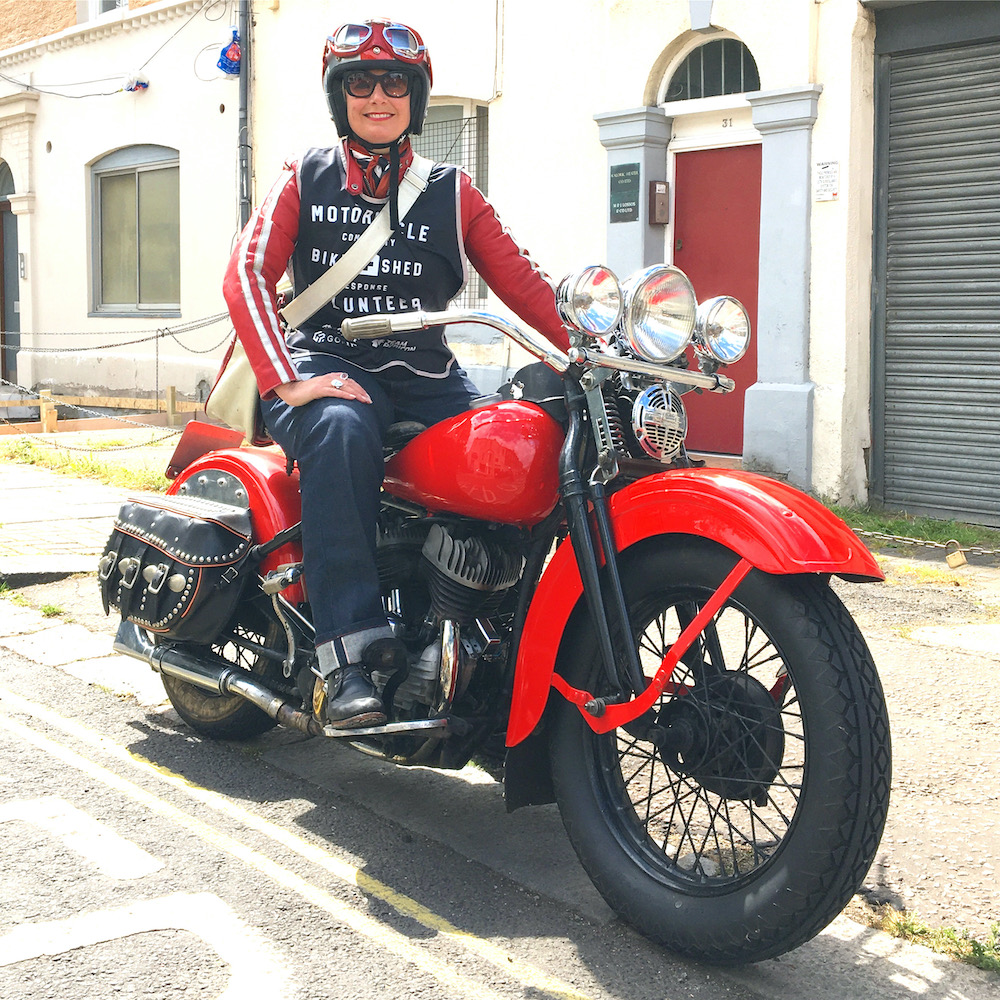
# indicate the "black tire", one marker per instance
pixel 754 839
pixel 230 717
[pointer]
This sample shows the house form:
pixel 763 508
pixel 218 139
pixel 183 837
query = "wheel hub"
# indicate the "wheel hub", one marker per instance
pixel 737 740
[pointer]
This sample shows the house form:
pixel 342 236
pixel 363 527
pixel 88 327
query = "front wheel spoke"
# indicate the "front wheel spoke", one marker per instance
pixel 682 792
pixel 783 777
pixel 764 654
pixel 633 779
pixel 649 795
pixel 754 843
pixel 711 829
pixel 792 723
pixel 782 815
pixel 701 798
pixel 671 806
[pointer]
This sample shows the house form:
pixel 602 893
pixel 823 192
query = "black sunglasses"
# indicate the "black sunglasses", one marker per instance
pixel 362 84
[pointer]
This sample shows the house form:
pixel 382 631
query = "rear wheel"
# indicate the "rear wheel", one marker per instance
pixel 228 716
pixel 748 841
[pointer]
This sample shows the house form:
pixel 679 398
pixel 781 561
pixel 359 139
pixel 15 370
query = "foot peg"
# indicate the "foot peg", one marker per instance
pixel 278 579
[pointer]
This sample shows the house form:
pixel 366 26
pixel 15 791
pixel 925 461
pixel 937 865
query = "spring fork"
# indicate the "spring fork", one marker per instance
pixel 575 496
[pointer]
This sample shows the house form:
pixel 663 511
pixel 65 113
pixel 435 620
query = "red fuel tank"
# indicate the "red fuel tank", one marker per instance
pixel 495 463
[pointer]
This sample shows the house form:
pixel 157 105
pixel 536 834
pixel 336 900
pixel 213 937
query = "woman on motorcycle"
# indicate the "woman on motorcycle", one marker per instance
pixel 328 401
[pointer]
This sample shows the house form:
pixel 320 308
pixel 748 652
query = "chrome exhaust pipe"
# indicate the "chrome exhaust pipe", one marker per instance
pixel 211 674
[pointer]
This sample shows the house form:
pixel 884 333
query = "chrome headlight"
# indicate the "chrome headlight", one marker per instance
pixel 722 329
pixel 659 313
pixel 590 300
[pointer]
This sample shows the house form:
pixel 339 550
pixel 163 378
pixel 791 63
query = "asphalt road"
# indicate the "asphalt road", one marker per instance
pixel 139 860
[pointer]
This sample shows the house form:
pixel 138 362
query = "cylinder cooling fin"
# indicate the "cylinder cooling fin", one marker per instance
pixel 465 574
pixel 399 549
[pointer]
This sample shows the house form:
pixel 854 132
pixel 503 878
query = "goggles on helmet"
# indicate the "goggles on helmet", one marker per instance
pixel 351 39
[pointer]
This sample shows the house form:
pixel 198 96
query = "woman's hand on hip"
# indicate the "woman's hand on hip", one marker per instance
pixel 339 385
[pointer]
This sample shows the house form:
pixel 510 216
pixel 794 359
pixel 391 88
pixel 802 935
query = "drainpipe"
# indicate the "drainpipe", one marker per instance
pixel 244 148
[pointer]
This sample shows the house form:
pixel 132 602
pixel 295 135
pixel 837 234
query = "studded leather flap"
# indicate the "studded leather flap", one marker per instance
pixel 172 564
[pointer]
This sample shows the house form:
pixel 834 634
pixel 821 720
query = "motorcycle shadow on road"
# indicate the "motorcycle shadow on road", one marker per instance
pixel 447 841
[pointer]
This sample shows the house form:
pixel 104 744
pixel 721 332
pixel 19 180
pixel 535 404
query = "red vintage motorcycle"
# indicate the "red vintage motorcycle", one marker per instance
pixel 650 643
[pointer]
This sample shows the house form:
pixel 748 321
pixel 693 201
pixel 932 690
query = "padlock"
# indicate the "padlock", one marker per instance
pixel 956 558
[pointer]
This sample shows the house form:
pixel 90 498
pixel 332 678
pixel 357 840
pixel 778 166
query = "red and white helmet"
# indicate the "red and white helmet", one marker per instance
pixel 376 44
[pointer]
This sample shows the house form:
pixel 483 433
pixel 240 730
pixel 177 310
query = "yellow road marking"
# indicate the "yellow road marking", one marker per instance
pixel 526 973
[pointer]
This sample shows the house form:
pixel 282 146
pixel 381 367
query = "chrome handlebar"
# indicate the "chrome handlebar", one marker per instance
pixel 389 324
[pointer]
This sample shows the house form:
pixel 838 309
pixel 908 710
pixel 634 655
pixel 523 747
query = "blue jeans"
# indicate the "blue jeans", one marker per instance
pixel 337 444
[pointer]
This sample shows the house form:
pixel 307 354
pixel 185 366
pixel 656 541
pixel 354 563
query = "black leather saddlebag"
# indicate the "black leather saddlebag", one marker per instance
pixel 174 565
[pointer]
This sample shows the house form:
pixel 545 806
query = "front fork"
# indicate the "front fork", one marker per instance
pixel 605 600
pixel 633 696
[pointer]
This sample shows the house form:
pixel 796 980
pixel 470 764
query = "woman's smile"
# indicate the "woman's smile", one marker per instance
pixel 378 120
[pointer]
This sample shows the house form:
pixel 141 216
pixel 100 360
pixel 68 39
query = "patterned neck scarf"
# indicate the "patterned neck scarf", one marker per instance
pixel 375 168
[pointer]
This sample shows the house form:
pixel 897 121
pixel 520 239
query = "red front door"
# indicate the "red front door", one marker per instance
pixel 716 243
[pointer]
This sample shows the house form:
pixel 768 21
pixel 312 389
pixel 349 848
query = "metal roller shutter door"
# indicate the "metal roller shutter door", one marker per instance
pixel 941 403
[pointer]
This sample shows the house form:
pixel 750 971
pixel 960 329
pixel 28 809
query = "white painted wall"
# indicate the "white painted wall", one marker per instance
pixel 544 69
pixel 196 116
pixel 840 341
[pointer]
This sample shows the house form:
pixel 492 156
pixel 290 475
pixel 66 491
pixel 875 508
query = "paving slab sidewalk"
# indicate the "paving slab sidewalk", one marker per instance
pixel 51 523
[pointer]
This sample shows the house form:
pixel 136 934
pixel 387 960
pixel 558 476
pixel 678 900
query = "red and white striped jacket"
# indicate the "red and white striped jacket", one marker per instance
pixel 266 244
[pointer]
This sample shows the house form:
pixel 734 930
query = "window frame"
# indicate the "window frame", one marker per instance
pixel 94 11
pixel 687 54
pixel 129 161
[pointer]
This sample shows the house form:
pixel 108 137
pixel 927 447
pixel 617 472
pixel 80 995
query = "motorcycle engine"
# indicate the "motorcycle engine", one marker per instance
pixel 449 579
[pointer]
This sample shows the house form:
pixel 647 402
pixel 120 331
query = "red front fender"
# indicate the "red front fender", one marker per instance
pixel 776 528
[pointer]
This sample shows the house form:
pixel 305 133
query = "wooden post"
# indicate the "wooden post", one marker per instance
pixel 171 405
pixel 47 412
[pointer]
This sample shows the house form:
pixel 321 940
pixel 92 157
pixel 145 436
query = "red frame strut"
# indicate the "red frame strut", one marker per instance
pixel 618 715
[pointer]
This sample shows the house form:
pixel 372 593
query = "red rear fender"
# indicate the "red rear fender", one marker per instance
pixel 772 525
pixel 272 494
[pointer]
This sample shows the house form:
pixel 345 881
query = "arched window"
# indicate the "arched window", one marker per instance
pixel 722 66
pixel 137 230
pixel 6 182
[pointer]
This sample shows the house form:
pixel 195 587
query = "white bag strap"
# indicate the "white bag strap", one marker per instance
pixel 348 267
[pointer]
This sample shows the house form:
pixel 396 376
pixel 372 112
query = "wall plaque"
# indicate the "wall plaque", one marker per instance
pixel 625 192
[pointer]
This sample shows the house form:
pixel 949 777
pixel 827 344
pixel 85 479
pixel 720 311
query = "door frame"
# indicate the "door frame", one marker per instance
pixel 8 358
pixel 706 123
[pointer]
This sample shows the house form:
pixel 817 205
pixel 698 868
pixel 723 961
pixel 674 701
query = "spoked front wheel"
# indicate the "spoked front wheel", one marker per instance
pixel 747 832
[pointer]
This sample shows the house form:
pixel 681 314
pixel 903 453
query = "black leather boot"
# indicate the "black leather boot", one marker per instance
pixel 351 700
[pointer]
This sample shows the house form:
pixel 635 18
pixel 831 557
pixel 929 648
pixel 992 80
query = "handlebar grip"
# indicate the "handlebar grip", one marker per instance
pixel 366 327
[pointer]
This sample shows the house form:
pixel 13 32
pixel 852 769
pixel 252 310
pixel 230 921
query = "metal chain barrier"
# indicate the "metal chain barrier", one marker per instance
pixel 93 413
pixel 137 337
pixel 58 446
pixel 975 550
